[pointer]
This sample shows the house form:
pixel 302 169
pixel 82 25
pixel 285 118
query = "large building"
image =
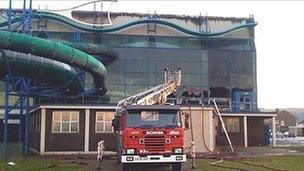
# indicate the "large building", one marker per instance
pixel 216 66
pixel 217 54
pixel 218 60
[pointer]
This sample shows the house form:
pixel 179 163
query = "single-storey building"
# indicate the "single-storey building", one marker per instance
pixel 13 125
pixel 76 129
pixel 284 120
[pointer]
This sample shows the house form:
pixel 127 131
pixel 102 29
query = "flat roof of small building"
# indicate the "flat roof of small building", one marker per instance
pixel 112 106
pixel 256 114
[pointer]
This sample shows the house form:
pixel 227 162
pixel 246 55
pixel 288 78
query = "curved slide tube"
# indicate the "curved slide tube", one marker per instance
pixel 56 51
pixel 90 48
pixel 44 71
pixel 114 28
pixel 93 49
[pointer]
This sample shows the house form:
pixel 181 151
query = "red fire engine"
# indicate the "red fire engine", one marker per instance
pixel 150 131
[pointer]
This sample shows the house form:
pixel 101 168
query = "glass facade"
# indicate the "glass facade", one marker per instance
pixel 138 69
pixel 206 62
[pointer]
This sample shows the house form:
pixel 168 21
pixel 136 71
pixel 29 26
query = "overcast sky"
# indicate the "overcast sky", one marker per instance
pixel 279 38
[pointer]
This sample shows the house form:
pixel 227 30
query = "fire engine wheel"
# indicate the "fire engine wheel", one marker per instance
pixel 125 167
pixel 176 166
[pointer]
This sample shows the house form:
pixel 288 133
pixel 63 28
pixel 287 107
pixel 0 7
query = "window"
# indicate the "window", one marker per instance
pixel 232 124
pixel 31 123
pixel 104 122
pixel 37 123
pixel 65 121
pixel 282 123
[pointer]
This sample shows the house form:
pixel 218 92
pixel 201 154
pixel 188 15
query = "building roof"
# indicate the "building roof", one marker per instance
pixel 195 19
pixel 302 122
pixel 284 113
pixel 152 107
pixel 254 114
pixel 113 107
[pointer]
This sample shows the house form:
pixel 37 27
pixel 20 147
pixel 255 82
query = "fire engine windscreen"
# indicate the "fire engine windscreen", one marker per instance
pixel 153 118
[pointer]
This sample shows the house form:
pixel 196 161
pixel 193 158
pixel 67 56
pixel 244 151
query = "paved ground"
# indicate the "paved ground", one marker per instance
pixel 287 142
pixel 265 151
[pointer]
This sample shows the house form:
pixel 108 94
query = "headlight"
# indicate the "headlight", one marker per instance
pixel 141 141
pixel 130 151
pixel 167 141
pixel 178 150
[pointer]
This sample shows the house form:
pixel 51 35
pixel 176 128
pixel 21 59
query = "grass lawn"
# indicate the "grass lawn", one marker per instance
pixel 280 163
pixel 33 163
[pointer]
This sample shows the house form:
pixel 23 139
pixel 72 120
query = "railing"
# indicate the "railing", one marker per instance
pixel 224 104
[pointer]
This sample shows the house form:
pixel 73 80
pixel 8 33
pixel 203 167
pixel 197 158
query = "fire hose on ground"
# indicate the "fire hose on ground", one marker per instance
pixel 221 158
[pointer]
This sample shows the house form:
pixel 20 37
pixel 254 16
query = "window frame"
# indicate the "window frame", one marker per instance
pixel 69 122
pixel 103 122
pixel 235 128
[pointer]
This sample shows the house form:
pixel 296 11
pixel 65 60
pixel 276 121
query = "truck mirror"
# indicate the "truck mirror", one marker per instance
pixel 187 124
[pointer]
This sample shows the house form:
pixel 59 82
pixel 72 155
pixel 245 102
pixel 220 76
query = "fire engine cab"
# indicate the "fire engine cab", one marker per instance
pixel 148 130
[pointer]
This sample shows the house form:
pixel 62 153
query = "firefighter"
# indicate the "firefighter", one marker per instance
pixel 100 153
pixel 192 153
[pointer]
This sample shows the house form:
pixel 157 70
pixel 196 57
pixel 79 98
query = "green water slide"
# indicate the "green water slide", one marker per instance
pixel 56 51
pixel 43 71
pixel 93 49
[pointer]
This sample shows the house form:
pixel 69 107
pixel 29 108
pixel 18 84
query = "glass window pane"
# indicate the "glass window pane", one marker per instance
pixel 74 127
pixel 137 78
pixel 65 116
pixel 116 78
pixel 156 79
pixel 232 124
pixel 116 92
pixel 242 68
pixel 75 116
pixel 205 67
pixel 218 80
pixel 99 127
pixel 243 81
pixel 132 90
pixel 242 56
pixel 56 116
pixel 108 127
pixel 65 127
pixel 109 116
pixel 137 65
pixel 116 66
pixel 55 127
pixel 192 80
pixel 219 62
pixel 99 116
